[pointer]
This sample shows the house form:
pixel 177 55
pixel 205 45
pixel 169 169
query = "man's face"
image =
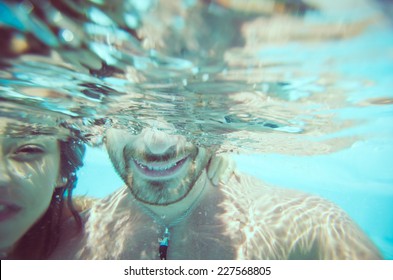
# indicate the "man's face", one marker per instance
pixel 158 167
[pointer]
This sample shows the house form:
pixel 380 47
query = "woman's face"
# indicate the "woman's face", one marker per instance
pixel 29 172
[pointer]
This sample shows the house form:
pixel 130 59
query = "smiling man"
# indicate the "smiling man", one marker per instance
pixel 160 170
pixel 170 209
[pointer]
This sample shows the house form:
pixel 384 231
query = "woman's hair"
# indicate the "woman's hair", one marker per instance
pixel 41 239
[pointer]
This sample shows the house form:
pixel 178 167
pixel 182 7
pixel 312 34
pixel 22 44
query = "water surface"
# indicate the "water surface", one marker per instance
pixel 298 91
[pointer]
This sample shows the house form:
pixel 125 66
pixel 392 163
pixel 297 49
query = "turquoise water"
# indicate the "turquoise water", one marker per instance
pixel 302 92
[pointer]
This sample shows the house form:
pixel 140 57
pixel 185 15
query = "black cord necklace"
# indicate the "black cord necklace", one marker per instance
pixel 164 240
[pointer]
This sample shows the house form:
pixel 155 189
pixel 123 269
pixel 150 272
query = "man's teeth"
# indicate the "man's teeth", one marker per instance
pixel 157 167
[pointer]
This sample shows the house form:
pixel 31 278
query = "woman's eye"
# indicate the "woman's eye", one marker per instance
pixel 28 152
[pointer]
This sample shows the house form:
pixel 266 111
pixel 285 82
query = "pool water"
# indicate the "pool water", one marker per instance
pixel 302 90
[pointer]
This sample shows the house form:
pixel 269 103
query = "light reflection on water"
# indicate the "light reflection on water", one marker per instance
pixel 292 78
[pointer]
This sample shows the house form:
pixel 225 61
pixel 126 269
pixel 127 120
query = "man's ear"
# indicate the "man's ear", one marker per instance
pixel 220 169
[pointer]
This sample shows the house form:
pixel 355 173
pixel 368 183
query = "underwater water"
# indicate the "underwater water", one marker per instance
pixel 298 92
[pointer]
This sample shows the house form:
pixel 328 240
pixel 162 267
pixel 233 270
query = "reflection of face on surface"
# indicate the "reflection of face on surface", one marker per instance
pixel 29 172
pixel 159 168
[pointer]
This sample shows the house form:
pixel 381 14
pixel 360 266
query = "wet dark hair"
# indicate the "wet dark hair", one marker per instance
pixel 42 238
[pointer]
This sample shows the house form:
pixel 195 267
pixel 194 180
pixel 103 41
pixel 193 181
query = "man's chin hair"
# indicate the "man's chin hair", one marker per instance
pixel 158 193
pixel 150 196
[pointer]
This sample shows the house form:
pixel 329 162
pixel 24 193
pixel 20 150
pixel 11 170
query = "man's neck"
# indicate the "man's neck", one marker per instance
pixel 173 212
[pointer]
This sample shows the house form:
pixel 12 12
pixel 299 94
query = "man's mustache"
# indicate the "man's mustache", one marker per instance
pixel 147 156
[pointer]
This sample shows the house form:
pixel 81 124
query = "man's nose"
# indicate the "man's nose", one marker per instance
pixel 157 141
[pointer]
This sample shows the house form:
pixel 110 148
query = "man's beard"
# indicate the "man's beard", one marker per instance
pixel 161 192
pixel 164 192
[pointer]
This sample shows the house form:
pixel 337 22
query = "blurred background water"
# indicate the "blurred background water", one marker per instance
pixel 300 92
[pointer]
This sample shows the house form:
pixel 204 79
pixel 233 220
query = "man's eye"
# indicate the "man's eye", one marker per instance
pixel 28 152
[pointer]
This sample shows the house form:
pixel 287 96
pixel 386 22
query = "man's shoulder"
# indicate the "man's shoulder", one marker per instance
pixel 244 187
pixel 245 183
